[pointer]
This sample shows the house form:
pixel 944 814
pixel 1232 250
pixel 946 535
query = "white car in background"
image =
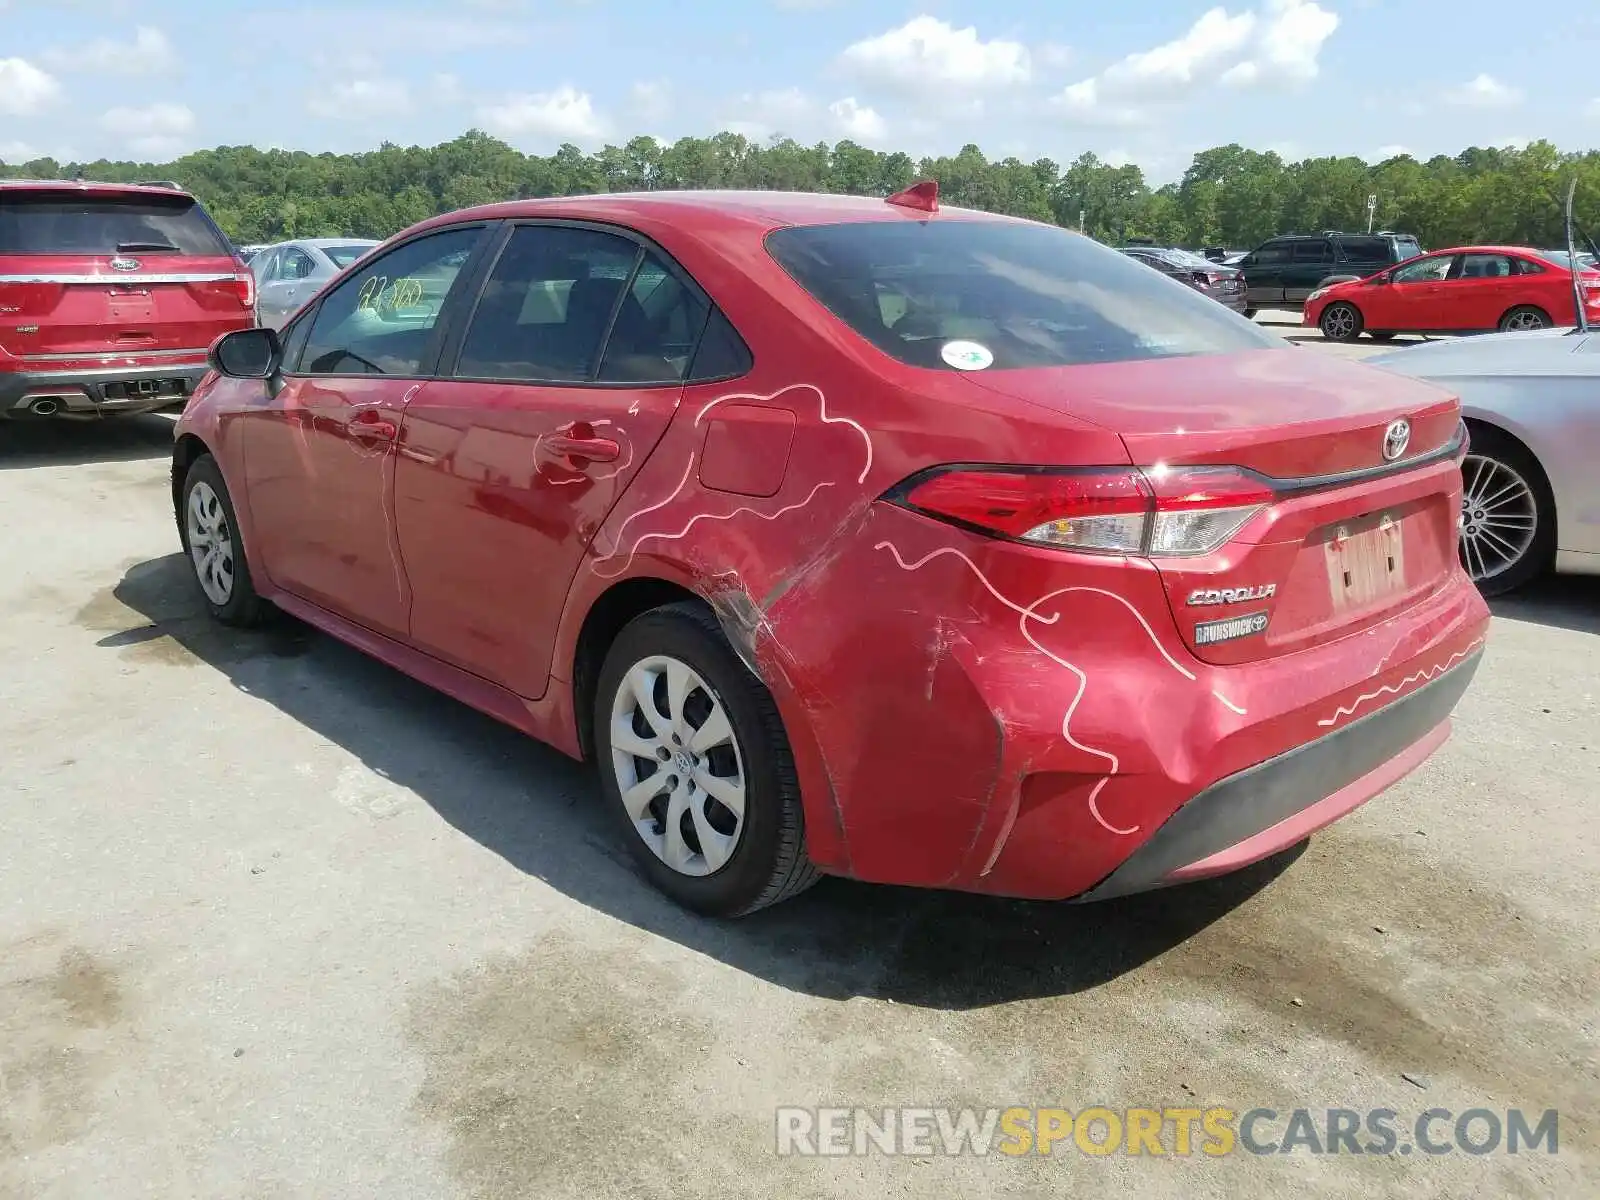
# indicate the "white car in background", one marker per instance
pixel 290 273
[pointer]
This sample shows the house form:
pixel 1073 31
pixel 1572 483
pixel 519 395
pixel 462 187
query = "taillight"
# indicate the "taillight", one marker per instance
pixel 246 280
pixel 1159 511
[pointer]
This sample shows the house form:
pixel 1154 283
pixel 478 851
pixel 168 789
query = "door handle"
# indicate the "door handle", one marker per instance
pixel 370 426
pixel 593 449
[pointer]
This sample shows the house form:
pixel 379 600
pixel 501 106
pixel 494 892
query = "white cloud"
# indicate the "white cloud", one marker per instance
pixel 1275 45
pixel 18 152
pixel 762 115
pixel 565 114
pixel 1385 153
pixel 926 54
pixel 651 99
pixel 361 99
pixel 149 53
pixel 858 122
pixel 1485 91
pixel 447 89
pixel 25 88
pixel 168 119
pixel 157 130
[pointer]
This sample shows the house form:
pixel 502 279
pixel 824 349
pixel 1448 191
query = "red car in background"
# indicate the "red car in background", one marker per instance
pixel 110 296
pixel 1471 289
pixel 857 536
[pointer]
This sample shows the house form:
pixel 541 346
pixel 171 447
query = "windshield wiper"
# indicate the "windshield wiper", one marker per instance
pixel 130 247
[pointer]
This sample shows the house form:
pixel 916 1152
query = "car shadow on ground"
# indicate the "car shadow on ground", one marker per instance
pixel 61 443
pixel 542 813
pixel 1560 601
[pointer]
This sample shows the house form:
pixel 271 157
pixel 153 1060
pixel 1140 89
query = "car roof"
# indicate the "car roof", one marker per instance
pixel 754 210
pixel 1487 250
pixel 88 187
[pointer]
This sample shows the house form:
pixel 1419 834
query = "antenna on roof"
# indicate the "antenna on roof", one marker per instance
pixel 922 196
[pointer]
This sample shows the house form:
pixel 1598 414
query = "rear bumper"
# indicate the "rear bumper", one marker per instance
pixel 99 390
pixel 1273 805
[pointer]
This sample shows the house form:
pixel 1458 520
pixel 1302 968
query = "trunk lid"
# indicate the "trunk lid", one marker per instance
pixel 86 272
pixel 1350 536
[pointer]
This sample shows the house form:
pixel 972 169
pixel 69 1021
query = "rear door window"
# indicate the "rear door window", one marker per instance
pixel 1027 295
pixel 68 223
pixel 1313 252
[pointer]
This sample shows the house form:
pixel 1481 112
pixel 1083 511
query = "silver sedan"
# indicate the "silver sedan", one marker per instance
pixel 290 273
pixel 1531 487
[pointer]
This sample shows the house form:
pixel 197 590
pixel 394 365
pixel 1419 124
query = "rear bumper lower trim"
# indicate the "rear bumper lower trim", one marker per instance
pixel 106 390
pixel 1274 804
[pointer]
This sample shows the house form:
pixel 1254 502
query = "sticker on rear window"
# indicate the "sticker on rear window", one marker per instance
pixel 1210 632
pixel 967 356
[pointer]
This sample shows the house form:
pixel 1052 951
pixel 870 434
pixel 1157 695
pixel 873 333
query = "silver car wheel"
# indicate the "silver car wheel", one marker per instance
pixel 210 543
pixel 1499 517
pixel 1524 320
pixel 678 765
pixel 1339 322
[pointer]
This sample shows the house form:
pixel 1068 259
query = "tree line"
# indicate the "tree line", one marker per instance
pixel 1229 196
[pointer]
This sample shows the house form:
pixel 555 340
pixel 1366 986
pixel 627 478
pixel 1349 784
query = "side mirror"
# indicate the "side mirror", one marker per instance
pixel 1380 280
pixel 247 354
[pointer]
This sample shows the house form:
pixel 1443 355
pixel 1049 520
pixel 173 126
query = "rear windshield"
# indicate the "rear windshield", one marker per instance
pixel 58 224
pixel 343 256
pixel 969 294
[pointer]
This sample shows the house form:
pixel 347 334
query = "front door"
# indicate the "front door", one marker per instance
pixel 508 467
pixel 1263 273
pixel 1415 299
pixel 319 455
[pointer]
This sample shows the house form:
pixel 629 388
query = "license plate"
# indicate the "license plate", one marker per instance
pixel 1366 566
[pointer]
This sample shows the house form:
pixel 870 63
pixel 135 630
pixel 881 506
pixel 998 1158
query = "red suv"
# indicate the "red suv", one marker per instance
pixel 110 295
pixel 920 546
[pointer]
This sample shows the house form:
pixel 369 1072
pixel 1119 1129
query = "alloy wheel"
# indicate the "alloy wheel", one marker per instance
pixel 1524 320
pixel 1339 322
pixel 678 765
pixel 1499 517
pixel 210 543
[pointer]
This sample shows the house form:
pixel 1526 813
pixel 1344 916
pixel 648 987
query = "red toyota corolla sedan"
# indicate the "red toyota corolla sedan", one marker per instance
pixel 1471 289
pixel 854 535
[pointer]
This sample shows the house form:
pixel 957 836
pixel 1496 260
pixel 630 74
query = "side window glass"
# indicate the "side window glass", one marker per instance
pixel 266 266
pixel 297 264
pixel 379 320
pixel 547 305
pixel 1485 266
pixel 1273 254
pixel 722 353
pixel 656 328
pixel 294 344
pixel 1313 252
pixel 1427 270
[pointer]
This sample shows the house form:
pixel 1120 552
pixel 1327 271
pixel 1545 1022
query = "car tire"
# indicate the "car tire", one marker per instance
pixel 209 531
pixel 1340 322
pixel 1381 335
pixel 1496 462
pixel 1250 312
pixel 715 861
pixel 1525 317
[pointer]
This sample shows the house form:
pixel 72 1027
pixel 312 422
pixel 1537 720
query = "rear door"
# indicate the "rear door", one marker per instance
pixel 563 380
pixel 1310 262
pixel 1477 291
pixel 90 271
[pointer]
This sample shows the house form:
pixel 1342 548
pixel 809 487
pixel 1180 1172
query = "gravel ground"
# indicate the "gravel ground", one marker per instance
pixel 277 922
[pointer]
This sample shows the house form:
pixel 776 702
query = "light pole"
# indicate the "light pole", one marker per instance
pixel 1372 207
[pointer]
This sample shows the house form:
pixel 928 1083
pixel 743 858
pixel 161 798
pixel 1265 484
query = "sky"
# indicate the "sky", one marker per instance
pixel 1149 83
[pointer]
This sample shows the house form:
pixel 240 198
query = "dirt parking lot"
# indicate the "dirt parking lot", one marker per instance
pixel 277 922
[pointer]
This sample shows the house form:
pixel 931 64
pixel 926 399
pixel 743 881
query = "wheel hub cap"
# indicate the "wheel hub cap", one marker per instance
pixel 1499 517
pixel 678 765
pixel 210 543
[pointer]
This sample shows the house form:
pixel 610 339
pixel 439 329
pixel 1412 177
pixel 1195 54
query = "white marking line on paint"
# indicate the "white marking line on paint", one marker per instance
pixel 822 404
pixel 1395 688
pixel 698 517
pixel 634 516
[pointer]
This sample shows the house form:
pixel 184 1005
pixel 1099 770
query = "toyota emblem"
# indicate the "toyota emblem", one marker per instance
pixel 1395 439
pixel 124 264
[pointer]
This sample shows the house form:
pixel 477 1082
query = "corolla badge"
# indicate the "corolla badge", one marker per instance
pixel 1204 596
pixel 1395 439
pixel 125 264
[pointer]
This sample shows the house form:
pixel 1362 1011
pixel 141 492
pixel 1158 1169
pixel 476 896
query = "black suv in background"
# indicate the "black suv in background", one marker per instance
pixel 1282 272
